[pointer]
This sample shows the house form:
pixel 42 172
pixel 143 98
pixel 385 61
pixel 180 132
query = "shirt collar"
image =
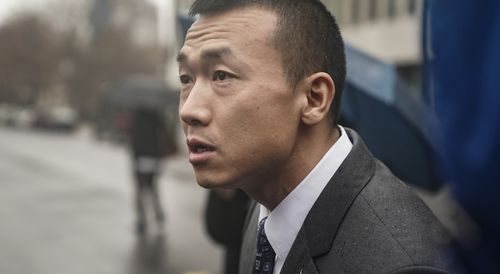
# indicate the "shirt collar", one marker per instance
pixel 285 221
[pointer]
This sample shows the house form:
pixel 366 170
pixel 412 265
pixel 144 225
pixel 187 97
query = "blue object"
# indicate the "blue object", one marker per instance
pixel 462 49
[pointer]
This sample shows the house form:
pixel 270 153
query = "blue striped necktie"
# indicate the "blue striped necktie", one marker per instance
pixel 264 259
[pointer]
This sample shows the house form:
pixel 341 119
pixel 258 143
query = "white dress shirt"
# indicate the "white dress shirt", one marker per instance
pixel 285 221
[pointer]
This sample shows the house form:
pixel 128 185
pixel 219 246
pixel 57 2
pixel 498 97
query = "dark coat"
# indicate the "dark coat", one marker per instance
pixel 148 134
pixel 364 221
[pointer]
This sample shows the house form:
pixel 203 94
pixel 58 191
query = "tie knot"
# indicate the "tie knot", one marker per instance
pixel 264 261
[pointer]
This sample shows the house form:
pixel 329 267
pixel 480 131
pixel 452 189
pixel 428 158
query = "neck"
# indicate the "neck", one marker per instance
pixel 309 148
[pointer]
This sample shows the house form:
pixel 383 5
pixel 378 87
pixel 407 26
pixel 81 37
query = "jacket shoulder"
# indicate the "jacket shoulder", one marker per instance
pixel 386 228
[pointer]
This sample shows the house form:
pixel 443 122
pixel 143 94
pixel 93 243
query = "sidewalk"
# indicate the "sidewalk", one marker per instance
pixel 66 207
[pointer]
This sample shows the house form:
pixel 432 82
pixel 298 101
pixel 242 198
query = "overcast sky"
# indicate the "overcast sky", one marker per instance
pixel 8 7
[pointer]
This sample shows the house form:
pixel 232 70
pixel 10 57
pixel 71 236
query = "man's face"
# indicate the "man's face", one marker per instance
pixel 238 113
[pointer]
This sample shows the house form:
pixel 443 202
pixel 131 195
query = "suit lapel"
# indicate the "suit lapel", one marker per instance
pixel 316 235
pixel 299 258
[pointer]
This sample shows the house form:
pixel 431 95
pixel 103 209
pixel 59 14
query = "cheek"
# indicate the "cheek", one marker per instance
pixel 262 133
pixel 260 119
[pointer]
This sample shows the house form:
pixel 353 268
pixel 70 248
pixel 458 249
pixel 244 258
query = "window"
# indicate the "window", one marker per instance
pixel 372 10
pixel 391 9
pixel 355 11
pixel 412 6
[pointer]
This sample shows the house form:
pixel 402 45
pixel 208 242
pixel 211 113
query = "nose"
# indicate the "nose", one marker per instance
pixel 194 110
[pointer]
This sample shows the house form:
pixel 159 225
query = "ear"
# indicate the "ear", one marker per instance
pixel 320 91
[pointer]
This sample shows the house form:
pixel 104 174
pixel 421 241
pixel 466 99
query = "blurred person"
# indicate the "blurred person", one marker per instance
pixel 261 82
pixel 148 134
pixel 224 219
pixel 463 70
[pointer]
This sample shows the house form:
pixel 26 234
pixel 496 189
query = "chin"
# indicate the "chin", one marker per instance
pixel 205 184
pixel 211 184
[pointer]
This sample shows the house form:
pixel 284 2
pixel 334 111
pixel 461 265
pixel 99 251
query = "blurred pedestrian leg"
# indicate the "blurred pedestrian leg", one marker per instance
pixel 148 142
pixel 147 187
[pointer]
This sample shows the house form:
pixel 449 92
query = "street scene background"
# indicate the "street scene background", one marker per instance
pixel 72 73
pixel 67 185
pixel 66 207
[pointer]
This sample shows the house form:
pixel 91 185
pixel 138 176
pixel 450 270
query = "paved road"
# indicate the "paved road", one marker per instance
pixel 66 207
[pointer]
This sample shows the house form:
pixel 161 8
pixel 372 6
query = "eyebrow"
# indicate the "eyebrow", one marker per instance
pixel 210 54
pixel 181 57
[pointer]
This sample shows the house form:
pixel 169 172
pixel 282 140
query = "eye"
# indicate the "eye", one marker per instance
pixel 221 76
pixel 184 79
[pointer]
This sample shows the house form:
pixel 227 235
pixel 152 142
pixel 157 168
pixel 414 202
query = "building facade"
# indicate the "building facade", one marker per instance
pixel 385 29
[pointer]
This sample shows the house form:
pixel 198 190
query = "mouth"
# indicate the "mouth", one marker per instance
pixel 199 151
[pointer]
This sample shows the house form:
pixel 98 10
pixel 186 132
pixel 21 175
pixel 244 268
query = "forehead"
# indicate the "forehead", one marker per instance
pixel 238 29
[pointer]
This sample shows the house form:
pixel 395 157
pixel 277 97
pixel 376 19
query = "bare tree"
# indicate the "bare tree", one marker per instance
pixel 28 62
pixel 56 47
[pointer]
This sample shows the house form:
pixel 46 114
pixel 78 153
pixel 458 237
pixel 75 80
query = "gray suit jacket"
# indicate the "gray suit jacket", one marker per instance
pixel 364 221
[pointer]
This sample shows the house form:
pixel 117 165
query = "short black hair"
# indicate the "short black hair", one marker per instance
pixel 306 35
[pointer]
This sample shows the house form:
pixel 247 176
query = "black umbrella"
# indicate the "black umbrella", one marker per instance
pixel 396 125
pixel 140 92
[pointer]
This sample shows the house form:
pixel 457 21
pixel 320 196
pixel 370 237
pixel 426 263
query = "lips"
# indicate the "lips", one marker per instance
pixel 200 151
